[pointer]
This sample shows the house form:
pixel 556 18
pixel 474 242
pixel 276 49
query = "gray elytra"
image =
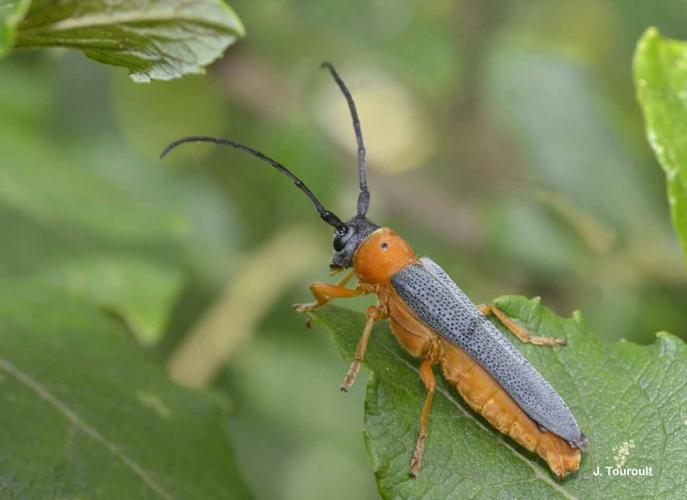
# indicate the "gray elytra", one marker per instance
pixel 436 299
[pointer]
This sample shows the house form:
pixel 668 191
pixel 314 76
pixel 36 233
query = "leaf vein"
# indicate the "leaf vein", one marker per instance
pixel 81 425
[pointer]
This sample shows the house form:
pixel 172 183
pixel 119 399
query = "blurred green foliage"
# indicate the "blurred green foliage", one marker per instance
pixel 86 415
pixel 505 141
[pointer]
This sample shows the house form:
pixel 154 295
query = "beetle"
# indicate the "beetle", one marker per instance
pixel 435 321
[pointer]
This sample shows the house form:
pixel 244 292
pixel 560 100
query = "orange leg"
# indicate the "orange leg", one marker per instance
pixel 516 329
pixel 427 376
pixel 373 314
pixel 325 292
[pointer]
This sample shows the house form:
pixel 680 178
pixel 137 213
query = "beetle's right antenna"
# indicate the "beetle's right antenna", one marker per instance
pixel 364 196
pixel 325 214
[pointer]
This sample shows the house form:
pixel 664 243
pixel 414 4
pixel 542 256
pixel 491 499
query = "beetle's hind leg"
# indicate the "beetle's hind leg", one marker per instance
pixel 373 314
pixel 325 292
pixel 427 376
pixel 516 329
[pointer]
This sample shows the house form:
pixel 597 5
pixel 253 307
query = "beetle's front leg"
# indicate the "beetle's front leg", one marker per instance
pixel 516 329
pixel 373 314
pixel 325 292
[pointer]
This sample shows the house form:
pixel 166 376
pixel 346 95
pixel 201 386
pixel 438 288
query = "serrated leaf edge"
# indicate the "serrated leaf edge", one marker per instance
pixel 664 343
pixel 539 473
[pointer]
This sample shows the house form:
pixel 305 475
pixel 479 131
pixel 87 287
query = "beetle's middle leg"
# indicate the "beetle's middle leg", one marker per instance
pixel 373 314
pixel 516 329
pixel 427 376
pixel 325 292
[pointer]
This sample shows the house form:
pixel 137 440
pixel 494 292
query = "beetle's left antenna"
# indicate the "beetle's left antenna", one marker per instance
pixel 325 214
pixel 364 196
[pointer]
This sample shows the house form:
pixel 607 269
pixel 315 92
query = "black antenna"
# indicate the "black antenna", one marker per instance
pixel 364 196
pixel 325 214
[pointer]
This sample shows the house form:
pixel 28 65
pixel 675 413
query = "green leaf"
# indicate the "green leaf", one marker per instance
pixel 11 12
pixel 660 72
pixel 154 39
pixel 86 415
pixel 139 291
pixel 629 400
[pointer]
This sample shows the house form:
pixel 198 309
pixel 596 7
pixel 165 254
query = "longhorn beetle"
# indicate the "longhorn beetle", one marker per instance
pixel 434 320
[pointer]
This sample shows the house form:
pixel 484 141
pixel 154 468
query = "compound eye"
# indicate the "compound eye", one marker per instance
pixel 340 239
pixel 339 242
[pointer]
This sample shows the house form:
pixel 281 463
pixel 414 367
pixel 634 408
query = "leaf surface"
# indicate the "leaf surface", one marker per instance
pixel 660 73
pixel 153 39
pixel 86 415
pixel 629 400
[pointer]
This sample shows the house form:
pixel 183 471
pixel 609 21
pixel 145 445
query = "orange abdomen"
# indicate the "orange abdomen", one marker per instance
pixel 479 389
pixel 485 395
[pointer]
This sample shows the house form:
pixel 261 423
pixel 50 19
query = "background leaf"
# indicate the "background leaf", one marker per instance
pixel 660 71
pixel 11 12
pixel 629 400
pixel 154 39
pixel 85 415
pixel 137 290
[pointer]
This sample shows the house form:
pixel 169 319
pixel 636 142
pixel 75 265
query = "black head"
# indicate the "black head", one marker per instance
pixel 348 238
pixel 347 235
